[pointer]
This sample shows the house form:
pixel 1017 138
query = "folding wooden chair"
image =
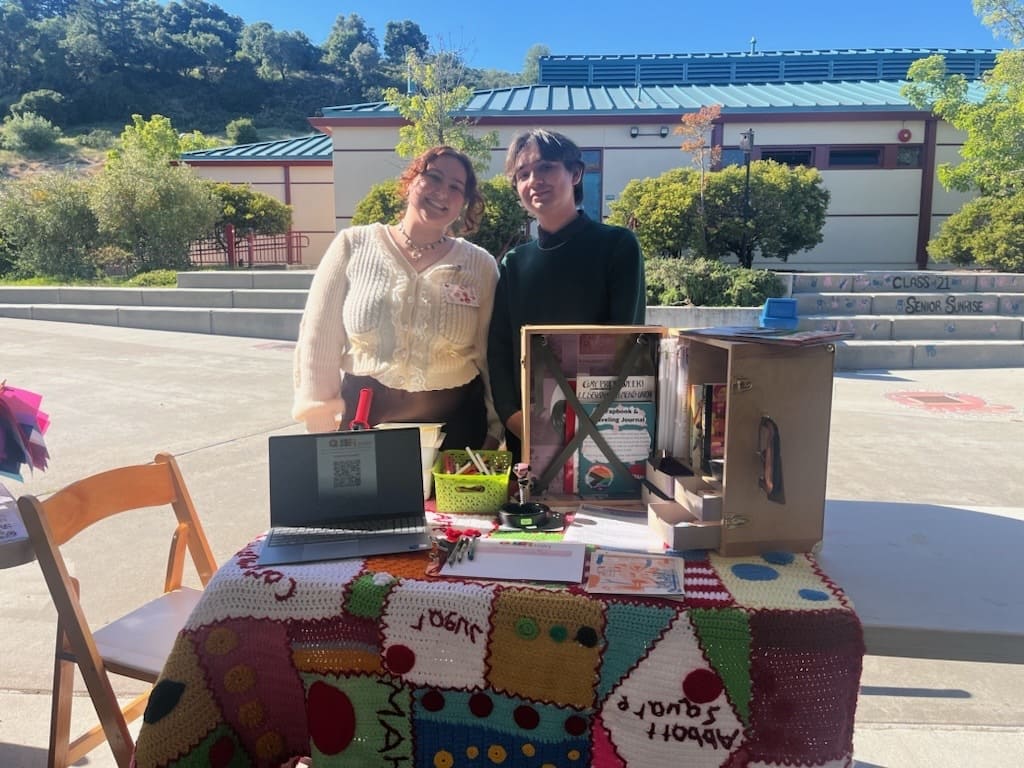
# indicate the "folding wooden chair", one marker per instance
pixel 135 645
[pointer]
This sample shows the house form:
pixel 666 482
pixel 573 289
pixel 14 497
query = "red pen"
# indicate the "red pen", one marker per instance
pixel 362 417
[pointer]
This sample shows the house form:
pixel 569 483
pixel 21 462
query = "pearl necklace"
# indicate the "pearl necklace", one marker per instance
pixel 416 250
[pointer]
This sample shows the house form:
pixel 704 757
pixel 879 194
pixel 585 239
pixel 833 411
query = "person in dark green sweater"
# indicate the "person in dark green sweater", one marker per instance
pixel 577 272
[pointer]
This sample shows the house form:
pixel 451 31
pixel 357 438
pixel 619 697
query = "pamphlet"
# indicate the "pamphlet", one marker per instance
pixel 627 426
pixel 635 573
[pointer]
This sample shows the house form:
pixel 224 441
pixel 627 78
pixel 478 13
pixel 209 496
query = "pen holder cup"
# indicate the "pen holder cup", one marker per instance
pixel 472 493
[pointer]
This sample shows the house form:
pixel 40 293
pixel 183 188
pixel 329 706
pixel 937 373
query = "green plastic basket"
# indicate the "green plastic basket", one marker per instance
pixel 476 494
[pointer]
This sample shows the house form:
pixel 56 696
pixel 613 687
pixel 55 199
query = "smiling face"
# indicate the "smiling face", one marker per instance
pixel 437 194
pixel 545 187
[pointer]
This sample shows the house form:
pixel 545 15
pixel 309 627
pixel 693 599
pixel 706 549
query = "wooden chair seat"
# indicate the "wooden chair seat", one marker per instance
pixel 137 644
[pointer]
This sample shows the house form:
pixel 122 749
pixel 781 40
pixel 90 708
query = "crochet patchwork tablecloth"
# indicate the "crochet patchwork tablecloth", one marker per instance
pixel 374 663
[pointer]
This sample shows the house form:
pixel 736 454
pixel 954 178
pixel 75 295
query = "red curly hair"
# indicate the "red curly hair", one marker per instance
pixel 470 218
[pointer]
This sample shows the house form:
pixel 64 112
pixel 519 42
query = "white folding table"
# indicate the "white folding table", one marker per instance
pixel 931 581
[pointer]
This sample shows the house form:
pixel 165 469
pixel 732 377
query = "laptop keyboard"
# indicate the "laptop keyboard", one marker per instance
pixel 352 528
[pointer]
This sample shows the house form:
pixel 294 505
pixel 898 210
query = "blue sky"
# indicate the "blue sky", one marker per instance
pixel 498 35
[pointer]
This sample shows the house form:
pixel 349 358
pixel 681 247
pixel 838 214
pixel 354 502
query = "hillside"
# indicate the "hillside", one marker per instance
pixel 65 156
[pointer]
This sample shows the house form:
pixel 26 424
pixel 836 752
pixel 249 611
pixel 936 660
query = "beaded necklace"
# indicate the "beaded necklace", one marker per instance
pixel 416 250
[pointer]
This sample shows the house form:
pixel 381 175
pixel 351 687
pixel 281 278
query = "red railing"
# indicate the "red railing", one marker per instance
pixel 249 250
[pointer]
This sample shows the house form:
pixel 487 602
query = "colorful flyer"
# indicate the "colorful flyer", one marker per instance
pixel 635 573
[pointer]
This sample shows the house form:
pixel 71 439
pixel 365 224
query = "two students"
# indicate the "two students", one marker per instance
pixel 385 296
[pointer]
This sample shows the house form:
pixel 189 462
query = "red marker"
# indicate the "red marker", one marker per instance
pixel 362 417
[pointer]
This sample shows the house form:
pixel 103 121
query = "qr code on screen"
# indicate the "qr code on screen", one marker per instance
pixel 346 473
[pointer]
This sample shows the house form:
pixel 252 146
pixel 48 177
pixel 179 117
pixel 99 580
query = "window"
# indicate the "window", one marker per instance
pixel 908 157
pixel 859 157
pixel 592 183
pixel 731 156
pixel 791 156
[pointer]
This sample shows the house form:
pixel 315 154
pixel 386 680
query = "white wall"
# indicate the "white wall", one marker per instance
pixel 311 190
pixel 871 221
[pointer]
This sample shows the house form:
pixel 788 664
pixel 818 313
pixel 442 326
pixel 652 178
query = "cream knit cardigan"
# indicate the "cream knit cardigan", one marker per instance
pixel 370 313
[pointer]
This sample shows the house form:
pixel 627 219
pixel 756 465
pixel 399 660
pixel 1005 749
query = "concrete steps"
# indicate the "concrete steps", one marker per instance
pixel 899 319
pixel 265 305
pixel 917 319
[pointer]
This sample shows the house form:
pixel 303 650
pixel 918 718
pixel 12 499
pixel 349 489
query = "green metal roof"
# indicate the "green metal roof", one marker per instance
pixel 594 100
pixel 315 146
pixel 773 81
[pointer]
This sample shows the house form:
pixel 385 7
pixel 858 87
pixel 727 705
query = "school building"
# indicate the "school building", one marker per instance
pixel 839 111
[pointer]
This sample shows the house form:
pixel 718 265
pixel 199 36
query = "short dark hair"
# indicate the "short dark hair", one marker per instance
pixel 552 146
pixel 470 218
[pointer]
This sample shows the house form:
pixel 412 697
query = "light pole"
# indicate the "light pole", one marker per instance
pixel 747 145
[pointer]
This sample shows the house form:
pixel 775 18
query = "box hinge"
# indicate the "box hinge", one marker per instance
pixel 735 521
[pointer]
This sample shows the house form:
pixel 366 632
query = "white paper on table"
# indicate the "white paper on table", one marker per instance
pixel 613 531
pixel 516 560
pixel 11 527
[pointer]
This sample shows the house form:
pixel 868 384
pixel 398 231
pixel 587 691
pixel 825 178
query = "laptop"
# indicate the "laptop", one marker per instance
pixel 335 495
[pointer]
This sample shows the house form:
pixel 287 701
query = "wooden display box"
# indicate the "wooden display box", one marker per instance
pixel 569 373
pixel 787 387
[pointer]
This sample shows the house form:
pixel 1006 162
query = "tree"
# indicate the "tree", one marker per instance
pixel 787 211
pixel 985 230
pixel 430 109
pixel 365 63
pixel 157 140
pixel 402 38
pixel 788 207
pixel 992 154
pixel 344 38
pixel 43 102
pixel 250 212
pixel 48 225
pixel 241 130
pixel 504 223
pixel 152 210
pixel 1004 17
pixel 531 64
pixel 276 54
pixel 695 128
pixel 661 211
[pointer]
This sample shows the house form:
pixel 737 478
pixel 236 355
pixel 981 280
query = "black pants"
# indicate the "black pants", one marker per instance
pixel 462 409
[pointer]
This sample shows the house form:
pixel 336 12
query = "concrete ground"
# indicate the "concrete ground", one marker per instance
pixel 119 395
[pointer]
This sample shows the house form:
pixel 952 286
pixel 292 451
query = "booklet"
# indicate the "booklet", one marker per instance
pixel 779 336
pixel 635 573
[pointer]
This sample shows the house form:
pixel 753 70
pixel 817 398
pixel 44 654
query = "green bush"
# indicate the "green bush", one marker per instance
pixel 988 232
pixel 112 260
pixel 242 131
pixel 151 209
pixel 502 225
pixel 43 102
pixel 154 278
pixel 98 138
pixel 504 222
pixel 49 226
pixel 28 132
pixel 250 211
pixel 382 204
pixel 708 283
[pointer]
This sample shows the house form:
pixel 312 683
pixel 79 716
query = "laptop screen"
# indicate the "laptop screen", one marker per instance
pixel 327 478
